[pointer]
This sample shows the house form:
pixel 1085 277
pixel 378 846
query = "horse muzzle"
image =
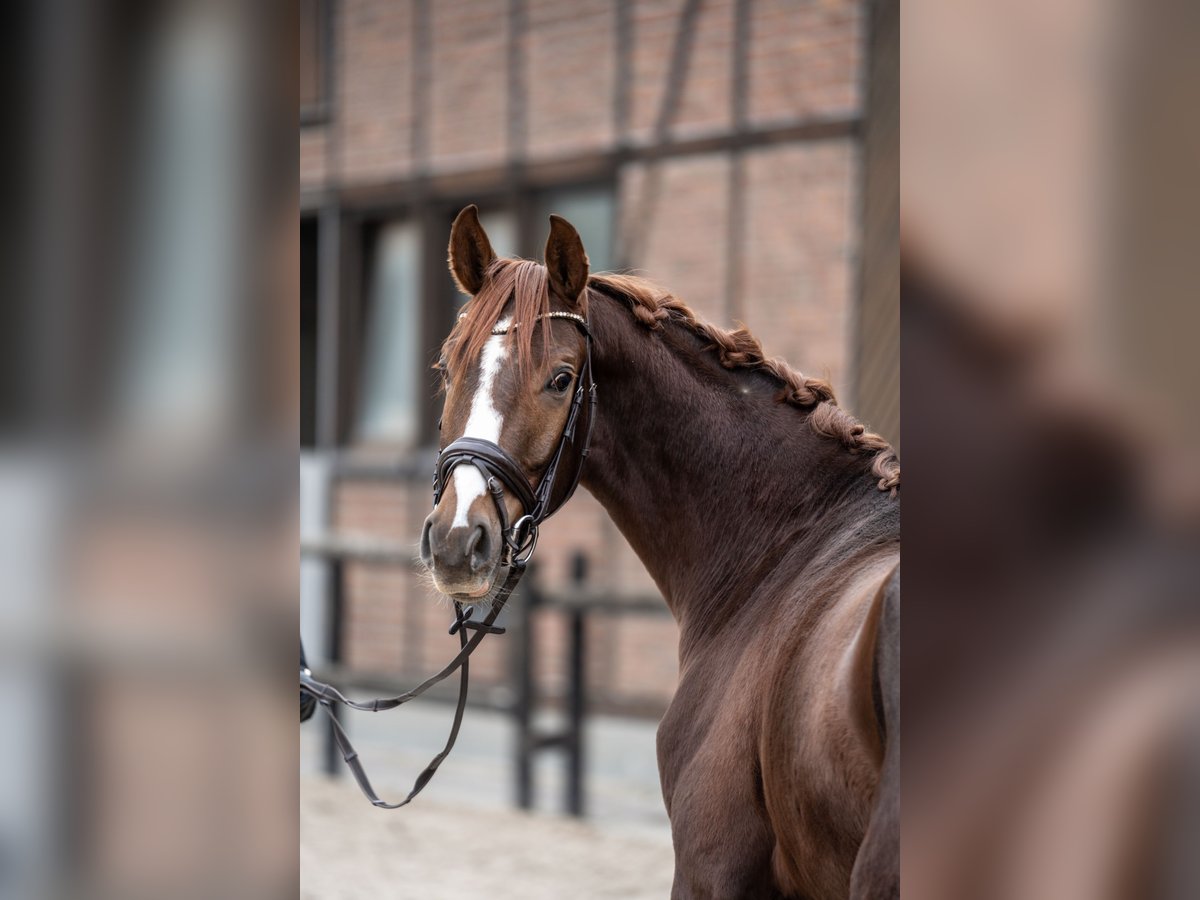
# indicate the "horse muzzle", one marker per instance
pixel 463 558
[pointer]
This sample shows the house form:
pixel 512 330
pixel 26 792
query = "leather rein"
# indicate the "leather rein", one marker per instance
pixel 501 472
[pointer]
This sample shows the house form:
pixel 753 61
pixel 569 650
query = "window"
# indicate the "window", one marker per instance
pixel 394 360
pixel 308 333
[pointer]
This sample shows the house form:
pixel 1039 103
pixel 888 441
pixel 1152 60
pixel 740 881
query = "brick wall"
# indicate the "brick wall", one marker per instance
pixel 469 103
pixel 804 59
pixel 373 90
pixel 795 256
pixel 799 253
pixel 706 95
pixel 674 226
pixel 571 76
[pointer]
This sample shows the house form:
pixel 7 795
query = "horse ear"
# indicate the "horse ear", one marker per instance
pixel 566 260
pixel 470 251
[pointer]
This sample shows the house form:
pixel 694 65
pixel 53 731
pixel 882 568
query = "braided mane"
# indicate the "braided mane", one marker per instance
pixel 524 282
pixel 651 305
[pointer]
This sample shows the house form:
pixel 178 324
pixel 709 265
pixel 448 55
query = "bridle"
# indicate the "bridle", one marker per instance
pixel 501 472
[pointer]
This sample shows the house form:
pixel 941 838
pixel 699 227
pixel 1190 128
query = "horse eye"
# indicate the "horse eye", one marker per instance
pixel 560 382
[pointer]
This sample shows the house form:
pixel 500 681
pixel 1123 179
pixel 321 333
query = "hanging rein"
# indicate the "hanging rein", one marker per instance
pixel 501 472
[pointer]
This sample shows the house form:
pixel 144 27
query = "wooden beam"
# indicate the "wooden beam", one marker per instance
pixel 595 166
pixel 736 196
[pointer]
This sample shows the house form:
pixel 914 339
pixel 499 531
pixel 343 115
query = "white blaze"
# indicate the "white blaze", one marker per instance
pixel 483 423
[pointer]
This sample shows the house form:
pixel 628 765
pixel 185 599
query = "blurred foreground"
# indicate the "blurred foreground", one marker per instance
pixel 1052 624
pixel 148 453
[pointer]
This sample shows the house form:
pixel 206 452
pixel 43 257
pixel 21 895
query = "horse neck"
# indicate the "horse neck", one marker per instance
pixel 714 483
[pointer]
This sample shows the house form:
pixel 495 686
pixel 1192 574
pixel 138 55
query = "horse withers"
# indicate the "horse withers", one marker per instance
pixel 767 516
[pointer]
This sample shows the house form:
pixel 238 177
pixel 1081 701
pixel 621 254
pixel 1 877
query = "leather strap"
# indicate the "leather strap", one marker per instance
pixel 491 459
pixel 326 695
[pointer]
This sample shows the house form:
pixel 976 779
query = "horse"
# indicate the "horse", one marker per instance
pixel 767 516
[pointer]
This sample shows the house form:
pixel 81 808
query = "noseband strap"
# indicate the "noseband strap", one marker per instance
pixel 492 460
pixel 500 472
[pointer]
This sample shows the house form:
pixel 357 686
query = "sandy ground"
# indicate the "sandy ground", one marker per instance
pixel 462 839
pixel 351 851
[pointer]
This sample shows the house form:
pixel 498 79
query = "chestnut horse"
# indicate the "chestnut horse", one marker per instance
pixel 767 516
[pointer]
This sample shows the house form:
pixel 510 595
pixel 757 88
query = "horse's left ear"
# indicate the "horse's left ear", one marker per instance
pixel 566 260
pixel 470 251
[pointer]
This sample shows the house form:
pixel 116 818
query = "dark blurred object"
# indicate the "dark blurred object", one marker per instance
pixel 1052 630
pixel 308 703
pixel 1066 612
pixel 147 451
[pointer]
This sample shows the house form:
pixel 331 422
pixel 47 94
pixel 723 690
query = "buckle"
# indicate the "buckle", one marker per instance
pixel 523 540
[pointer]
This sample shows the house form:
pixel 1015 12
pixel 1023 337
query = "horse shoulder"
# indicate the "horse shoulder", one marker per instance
pixel 821 747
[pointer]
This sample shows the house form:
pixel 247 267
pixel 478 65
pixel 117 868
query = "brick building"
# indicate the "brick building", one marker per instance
pixel 719 147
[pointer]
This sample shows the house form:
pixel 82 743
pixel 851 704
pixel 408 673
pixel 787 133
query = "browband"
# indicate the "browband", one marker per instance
pixel 577 319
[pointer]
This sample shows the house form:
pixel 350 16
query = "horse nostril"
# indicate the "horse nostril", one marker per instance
pixel 426 551
pixel 479 550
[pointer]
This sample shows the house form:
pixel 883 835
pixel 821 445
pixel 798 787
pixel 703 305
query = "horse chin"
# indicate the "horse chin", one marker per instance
pixel 470 592
pixel 472 596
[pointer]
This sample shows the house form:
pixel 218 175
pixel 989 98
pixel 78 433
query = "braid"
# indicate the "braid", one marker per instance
pixel 739 349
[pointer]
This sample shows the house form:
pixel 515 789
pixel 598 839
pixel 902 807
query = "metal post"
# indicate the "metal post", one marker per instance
pixel 575 712
pixel 739 115
pixel 523 656
pixel 577 697
pixel 334 656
